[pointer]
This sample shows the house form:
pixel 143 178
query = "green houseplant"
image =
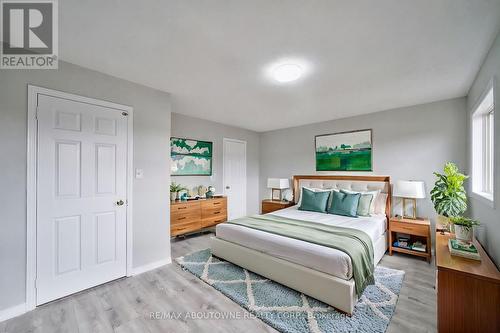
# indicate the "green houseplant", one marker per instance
pixel 448 195
pixel 174 190
pixel 463 228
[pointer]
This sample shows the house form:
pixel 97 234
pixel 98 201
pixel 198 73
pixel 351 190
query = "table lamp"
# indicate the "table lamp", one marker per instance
pixel 277 184
pixel 409 190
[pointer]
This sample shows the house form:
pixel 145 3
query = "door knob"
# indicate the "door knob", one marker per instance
pixel 228 187
pixel 120 203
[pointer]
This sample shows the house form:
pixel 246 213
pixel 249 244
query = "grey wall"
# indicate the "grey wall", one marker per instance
pixel 489 231
pixel 151 138
pixel 408 143
pixel 195 128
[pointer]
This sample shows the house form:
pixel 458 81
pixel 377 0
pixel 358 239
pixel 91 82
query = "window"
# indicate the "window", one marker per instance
pixel 483 133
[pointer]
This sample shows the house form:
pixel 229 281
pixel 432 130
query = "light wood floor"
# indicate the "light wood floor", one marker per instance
pixel 125 305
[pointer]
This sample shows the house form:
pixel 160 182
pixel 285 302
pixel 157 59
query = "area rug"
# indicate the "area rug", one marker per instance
pixel 290 311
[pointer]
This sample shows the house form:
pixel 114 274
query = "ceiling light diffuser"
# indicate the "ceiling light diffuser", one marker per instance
pixel 287 72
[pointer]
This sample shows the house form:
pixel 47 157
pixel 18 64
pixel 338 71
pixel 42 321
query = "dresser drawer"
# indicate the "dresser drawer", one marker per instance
pixel 414 229
pixel 213 212
pixel 182 228
pixel 211 221
pixel 185 217
pixel 184 207
pixel 213 203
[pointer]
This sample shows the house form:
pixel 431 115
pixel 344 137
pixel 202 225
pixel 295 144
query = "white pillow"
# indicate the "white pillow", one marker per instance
pixel 380 203
pixel 374 199
pixel 315 190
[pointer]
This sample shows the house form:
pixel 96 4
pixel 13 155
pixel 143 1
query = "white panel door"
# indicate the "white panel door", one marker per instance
pixel 235 177
pixel 81 191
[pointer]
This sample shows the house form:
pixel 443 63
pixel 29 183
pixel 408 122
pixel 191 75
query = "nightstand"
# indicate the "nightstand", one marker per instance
pixel 417 230
pixel 269 205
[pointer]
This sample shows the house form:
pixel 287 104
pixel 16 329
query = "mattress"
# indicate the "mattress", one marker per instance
pixel 317 257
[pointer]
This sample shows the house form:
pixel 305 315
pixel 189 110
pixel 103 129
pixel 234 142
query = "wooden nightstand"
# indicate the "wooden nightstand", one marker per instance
pixel 419 230
pixel 269 205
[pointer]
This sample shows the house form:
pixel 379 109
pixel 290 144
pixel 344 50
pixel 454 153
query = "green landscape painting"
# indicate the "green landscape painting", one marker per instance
pixel 349 151
pixel 190 157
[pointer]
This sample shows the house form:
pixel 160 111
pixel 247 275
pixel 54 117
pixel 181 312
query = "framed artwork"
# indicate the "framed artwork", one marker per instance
pixel 190 157
pixel 346 151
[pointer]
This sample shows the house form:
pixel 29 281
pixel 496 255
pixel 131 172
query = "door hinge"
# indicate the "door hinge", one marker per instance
pixel 36 283
pixel 36 113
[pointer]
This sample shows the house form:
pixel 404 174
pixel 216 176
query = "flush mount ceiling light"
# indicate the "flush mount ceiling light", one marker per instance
pixel 287 72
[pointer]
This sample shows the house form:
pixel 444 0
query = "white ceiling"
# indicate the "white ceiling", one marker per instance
pixel 363 56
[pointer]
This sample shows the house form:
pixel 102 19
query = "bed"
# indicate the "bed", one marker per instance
pixel 321 272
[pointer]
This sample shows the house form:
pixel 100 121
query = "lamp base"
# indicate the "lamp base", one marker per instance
pixel 273 197
pixel 414 210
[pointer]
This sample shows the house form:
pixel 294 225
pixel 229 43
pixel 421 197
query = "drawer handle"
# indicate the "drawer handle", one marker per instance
pixel 218 221
pixel 181 218
pixel 215 213
pixel 216 203
pixel 181 207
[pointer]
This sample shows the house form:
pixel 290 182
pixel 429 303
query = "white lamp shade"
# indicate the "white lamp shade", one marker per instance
pixel 279 183
pixel 409 189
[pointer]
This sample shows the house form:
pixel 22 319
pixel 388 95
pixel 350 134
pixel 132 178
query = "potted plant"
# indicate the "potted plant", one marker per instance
pixel 448 195
pixel 174 191
pixel 463 228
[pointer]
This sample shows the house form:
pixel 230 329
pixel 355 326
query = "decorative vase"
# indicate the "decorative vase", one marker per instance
pixel 463 234
pixel 173 196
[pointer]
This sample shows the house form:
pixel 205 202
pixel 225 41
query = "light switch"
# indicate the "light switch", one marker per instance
pixel 139 173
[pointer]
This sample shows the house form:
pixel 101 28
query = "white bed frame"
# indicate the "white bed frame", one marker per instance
pixel 329 289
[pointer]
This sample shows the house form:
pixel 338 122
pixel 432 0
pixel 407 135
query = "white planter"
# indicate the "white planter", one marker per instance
pixel 173 196
pixel 463 234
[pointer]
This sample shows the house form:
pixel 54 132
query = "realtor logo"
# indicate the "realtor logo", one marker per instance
pixel 29 34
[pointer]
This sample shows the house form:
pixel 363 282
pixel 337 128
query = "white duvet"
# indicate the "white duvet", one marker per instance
pixel 317 257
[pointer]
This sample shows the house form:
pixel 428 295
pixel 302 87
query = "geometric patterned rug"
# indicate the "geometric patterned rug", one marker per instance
pixel 290 311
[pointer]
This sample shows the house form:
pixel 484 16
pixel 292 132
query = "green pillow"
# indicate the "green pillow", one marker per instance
pixel 365 201
pixel 314 201
pixel 344 204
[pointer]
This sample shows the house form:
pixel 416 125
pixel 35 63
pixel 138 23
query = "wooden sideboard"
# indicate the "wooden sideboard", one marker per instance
pixel 468 291
pixel 195 215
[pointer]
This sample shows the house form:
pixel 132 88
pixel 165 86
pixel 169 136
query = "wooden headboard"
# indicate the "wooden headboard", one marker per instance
pixel 357 183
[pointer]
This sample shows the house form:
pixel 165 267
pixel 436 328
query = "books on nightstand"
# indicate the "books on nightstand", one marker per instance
pixel 463 250
pixel 419 246
pixel 404 241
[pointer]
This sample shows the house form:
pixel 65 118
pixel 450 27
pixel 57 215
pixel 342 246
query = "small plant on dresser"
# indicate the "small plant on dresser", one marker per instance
pixel 463 228
pixel 174 191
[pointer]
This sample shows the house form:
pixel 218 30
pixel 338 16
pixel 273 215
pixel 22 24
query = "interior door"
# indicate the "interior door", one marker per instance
pixel 81 196
pixel 235 177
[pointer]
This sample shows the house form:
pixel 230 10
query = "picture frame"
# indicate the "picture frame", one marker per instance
pixel 344 151
pixel 190 157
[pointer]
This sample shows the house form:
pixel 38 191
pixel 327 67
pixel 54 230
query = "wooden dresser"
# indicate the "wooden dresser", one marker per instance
pixel 194 215
pixel 468 291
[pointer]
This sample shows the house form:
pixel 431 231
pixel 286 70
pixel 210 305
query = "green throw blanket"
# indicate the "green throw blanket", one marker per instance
pixel 355 243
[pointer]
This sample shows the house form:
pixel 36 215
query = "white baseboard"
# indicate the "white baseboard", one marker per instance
pixel 151 266
pixel 12 312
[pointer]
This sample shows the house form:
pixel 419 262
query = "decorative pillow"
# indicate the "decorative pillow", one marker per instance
pixel 314 201
pixel 372 204
pixel 380 203
pixel 364 204
pixel 314 190
pixel 344 203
